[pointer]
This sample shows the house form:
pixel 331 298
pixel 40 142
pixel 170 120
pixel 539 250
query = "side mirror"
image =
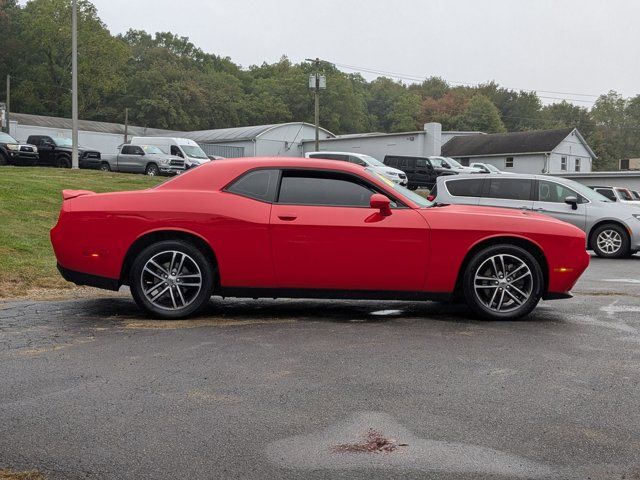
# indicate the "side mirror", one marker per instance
pixel 446 165
pixel 382 203
pixel 573 201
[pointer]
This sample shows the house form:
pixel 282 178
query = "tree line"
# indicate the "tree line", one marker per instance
pixel 167 82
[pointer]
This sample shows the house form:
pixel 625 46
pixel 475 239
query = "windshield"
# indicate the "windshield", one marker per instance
pixel 372 161
pixel 585 191
pixel 491 168
pixel 636 195
pixel 453 162
pixel 5 138
pixel 624 194
pixel 436 161
pixel 194 152
pixel 405 192
pixel 151 150
pixel 63 142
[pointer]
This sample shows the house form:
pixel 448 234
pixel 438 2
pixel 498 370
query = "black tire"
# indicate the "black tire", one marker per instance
pixel 105 167
pixel 152 170
pixel 476 298
pixel 412 187
pixel 139 284
pixel 613 231
pixel 63 162
pixel 4 160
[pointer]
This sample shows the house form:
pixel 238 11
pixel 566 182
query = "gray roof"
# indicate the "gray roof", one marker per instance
pixel 88 125
pixel 202 136
pixel 537 141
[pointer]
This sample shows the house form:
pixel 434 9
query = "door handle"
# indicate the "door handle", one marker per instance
pixel 287 218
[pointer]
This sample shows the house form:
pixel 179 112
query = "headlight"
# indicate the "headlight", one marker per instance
pixel 14 147
pixel 35 149
pixel 165 161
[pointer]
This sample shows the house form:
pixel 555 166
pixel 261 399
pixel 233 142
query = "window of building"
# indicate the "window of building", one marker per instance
pixel 577 168
pixel 563 164
pixel 258 184
pixel 464 161
pixel 323 188
pixel 512 189
pixel 471 187
pixel 508 163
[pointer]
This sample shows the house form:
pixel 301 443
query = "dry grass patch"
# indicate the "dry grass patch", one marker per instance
pixel 28 475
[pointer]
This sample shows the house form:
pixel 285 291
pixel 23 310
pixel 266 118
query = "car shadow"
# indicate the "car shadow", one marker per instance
pixel 122 310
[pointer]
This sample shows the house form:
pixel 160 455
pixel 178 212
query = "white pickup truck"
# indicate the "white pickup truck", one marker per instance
pixel 147 159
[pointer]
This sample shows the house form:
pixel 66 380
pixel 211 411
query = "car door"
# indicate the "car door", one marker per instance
pixel 550 200
pixel 514 193
pixel 130 158
pixel 46 149
pixel 324 235
pixel 424 172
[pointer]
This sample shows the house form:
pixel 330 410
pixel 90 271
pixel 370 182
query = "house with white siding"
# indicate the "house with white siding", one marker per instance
pixel 540 151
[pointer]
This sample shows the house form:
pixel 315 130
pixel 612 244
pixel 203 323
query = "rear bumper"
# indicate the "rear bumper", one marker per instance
pixel 86 279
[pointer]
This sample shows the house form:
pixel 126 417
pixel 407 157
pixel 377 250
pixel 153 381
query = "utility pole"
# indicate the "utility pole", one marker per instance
pixel 74 84
pixel 316 83
pixel 7 112
pixel 126 124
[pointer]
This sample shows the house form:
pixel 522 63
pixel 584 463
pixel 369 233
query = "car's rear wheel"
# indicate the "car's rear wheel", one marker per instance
pixel 152 170
pixel 502 282
pixel 171 279
pixel 104 167
pixel 611 241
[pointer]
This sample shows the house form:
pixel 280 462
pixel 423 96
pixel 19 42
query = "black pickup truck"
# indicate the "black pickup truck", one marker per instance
pixel 421 172
pixel 12 152
pixel 56 151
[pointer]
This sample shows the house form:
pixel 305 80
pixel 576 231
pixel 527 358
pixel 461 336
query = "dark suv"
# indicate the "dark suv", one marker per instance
pixel 56 151
pixel 13 152
pixel 421 172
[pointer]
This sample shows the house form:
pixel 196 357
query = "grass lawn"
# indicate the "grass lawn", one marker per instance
pixel 30 201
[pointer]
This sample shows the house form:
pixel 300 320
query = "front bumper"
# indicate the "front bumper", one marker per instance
pixel 23 157
pixel 171 170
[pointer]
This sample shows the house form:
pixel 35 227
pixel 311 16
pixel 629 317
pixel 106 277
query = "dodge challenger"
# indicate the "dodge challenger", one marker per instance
pixel 310 228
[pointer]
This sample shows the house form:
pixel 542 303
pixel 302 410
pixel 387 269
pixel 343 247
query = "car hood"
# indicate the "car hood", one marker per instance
pixel 390 170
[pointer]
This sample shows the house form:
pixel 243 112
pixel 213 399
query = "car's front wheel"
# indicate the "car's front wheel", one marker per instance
pixel 105 167
pixel 63 162
pixel 152 170
pixel 611 241
pixel 171 279
pixel 502 282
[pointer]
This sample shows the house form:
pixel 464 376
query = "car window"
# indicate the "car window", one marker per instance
pixel 636 195
pixel 513 189
pixel 257 184
pixel 624 194
pixel 127 150
pixel 607 192
pixel 357 161
pixel 390 161
pixel 422 162
pixel 470 187
pixel 323 188
pixel 556 193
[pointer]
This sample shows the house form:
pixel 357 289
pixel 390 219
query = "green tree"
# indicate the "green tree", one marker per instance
pixel 481 115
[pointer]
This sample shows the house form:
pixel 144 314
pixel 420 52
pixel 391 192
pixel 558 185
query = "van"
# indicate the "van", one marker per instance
pixel 179 147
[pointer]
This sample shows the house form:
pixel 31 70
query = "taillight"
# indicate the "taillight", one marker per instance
pixel 431 198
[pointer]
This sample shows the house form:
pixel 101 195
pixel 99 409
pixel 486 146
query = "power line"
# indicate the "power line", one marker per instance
pixel 417 78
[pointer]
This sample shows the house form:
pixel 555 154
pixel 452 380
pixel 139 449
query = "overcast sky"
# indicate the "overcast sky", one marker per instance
pixel 575 46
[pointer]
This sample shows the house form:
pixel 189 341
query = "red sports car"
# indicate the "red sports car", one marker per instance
pixel 297 227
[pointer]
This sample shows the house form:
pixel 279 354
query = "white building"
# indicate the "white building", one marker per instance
pixel 541 151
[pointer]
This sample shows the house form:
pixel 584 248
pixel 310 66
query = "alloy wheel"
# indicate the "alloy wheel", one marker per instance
pixel 171 280
pixel 609 241
pixel 503 283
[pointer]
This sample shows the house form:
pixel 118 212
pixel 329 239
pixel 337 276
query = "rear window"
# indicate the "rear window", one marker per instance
pixel 607 192
pixel 470 187
pixel 624 194
pixel 512 189
pixel 258 184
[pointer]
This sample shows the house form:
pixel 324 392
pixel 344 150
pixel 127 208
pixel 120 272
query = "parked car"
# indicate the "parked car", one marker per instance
pixel 488 168
pixel 636 195
pixel 617 194
pixel 292 227
pixel 184 148
pixel 56 151
pixel 12 152
pixel 147 159
pixel 452 164
pixel 420 171
pixel 393 174
pixel 612 229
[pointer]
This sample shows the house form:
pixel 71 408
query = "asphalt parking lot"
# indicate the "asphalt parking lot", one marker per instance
pixel 91 388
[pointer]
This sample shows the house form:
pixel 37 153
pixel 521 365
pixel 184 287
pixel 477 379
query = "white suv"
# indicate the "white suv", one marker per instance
pixel 393 174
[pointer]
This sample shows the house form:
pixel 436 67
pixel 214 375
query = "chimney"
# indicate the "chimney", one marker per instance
pixel 433 138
